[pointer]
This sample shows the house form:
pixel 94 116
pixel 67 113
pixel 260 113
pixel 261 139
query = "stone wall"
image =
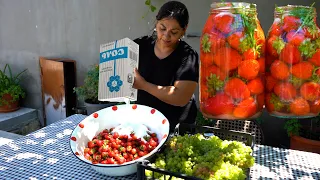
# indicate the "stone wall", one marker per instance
pixel 23 121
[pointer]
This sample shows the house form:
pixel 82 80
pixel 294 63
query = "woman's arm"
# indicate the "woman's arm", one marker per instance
pixel 178 95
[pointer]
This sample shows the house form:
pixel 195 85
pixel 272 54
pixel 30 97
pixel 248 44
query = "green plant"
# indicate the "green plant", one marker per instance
pixel 10 84
pixel 293 127
pixel 308 128
pixel 150 5
pixel 89 90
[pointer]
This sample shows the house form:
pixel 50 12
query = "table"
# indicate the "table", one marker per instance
pixel 45 154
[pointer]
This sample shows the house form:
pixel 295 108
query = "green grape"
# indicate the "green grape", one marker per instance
pixel 206 158
pixel 229 171
pixel 238 154
pixel 149 173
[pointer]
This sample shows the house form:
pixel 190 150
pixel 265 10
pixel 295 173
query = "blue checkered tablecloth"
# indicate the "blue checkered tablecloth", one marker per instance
pixel 277 163
pixel 45 154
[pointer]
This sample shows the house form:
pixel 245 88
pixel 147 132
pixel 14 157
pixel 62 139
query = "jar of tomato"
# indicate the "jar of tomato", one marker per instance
pixel 232 62
pixel 293 61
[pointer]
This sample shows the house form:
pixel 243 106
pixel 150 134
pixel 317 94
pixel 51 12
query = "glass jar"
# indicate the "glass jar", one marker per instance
pixel 293 61
pixel 232 62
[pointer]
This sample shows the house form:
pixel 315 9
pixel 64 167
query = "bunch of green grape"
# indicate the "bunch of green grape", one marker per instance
pixel 205 158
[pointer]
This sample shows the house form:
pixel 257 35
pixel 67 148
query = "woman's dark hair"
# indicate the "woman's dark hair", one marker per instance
pixel 175 10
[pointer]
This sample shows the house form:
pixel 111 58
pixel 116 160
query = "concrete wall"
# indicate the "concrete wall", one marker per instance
pixel 75 29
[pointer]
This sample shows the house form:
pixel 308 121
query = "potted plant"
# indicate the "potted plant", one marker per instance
pixel 88 92
pixel 304 134
pixel 10 90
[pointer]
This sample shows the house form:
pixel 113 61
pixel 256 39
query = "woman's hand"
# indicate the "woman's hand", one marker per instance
pixel 139 81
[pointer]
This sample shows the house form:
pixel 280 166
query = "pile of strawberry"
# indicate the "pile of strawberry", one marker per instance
pixel 293 61
pixel 111 148
pixel 232 64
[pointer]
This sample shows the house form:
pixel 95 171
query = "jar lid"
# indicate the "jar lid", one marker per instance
pixel 233 5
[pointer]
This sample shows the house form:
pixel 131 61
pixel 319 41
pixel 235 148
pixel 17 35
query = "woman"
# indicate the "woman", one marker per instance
pixel 168 67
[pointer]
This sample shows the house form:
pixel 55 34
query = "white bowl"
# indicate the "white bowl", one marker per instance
pixel 111 117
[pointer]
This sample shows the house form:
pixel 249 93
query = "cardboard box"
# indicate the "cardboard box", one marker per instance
pixel 116 70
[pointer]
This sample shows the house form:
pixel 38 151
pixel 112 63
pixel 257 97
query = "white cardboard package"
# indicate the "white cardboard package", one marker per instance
pixel 116 70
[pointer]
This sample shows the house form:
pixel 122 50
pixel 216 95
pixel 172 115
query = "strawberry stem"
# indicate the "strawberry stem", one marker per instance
pixel 306 14
pixel 307 48
pixel 249 22
pixel 315 77
pixel 317 43
pixel 278 44
pixel 297 82
pixel 214 84
pixel 206 44
pixel 275 100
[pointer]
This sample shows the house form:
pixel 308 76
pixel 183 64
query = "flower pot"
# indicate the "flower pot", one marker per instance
pixel 91 108
pixel 304 144
pixel 11 106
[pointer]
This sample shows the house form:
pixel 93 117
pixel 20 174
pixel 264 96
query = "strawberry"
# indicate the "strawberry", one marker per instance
pixel 315 106
pixel 210 43
pixel 310 91
pixel 219 104
pixel 290 54
pixel 295 38
pixel 209 24
pixel 291 23
pixel 227 59
pixel 237 89
pixel 206 59
pixel 223 22
pixel 245 108
pixel 275 29
pixel 249 69
pixel 285 91
pixel 300 107
pixel 235 39
pixel 270 82
pixel 213 69
pixel 250 54
pixel 274 45
pixel 262 65
pixel 302 70
pixel 279 70
pixel 315 59
pixel 255 86
pixel 95 115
